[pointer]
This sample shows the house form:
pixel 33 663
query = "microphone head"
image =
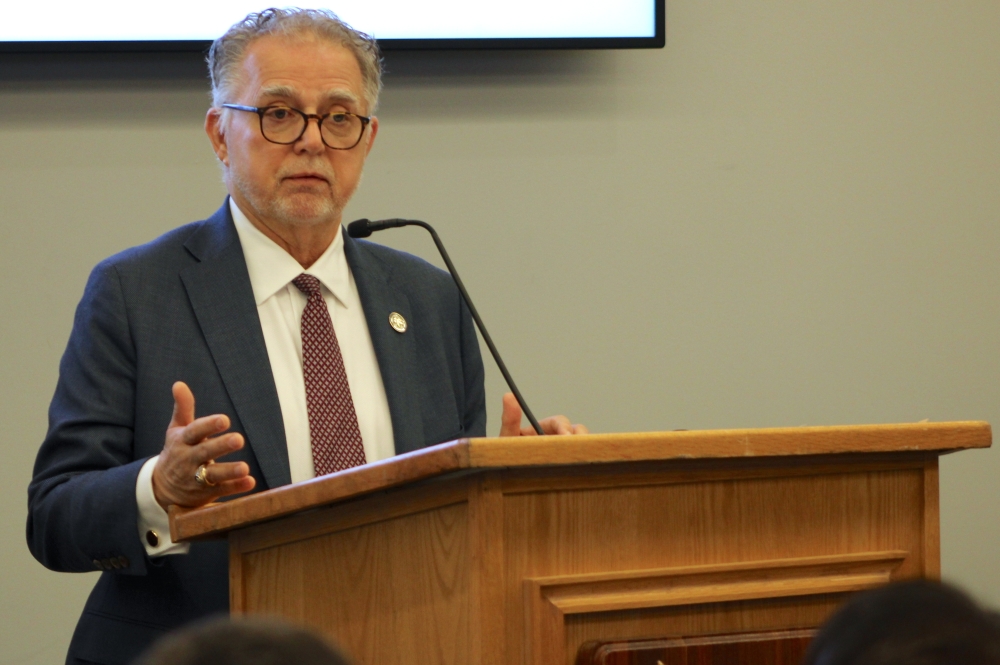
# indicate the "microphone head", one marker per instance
pixel 359 228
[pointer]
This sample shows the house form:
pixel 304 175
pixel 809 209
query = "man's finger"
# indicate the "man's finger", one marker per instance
pixel 203 428
pixel 219 474
pixel 183 405
pixel 220 446
pixel 557 425
pixel 201 496
pixel 237 486
pixel 510 421
pixel 580 429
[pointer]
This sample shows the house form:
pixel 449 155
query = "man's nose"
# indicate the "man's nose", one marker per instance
pixel 312 139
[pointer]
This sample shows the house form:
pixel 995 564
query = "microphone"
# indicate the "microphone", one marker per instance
pixel 363 228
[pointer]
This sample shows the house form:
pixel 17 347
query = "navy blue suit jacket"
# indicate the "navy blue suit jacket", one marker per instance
pixel 182 308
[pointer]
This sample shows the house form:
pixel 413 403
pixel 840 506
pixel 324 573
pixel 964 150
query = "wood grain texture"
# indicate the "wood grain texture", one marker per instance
pixel 382 590
pixel 436 570
pixel 486 565
pixel 214 520
pixel 605 530
pixel 784 647
pixel 237 580
pixel 528 480
pixel 698 621
pixel 548 600
pixel 688 585
pixel 390 504
pixel 715 444
pixel 932 521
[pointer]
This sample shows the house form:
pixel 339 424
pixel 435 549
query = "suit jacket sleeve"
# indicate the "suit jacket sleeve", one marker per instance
pixel 81 500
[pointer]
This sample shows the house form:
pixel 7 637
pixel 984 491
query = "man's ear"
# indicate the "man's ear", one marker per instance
pixel 215 128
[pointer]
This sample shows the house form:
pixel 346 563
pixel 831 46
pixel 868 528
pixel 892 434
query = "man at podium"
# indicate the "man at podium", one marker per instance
pixel 306 352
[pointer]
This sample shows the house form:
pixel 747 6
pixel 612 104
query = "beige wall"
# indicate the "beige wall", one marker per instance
pixel 788 216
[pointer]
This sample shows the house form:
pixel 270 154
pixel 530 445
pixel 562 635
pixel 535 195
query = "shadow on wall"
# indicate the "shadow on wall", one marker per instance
pixel 425 83
pixel 43 70
pixel 74 89
pixel 497 84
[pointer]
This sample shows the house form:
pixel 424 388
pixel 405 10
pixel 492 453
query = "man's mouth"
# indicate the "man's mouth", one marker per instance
pixel 308 177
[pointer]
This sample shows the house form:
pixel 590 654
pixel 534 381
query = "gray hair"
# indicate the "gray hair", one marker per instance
pixel 227 52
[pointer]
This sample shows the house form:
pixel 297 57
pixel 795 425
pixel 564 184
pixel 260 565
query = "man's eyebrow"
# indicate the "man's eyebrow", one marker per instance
pixel 277 91
pixel 340 95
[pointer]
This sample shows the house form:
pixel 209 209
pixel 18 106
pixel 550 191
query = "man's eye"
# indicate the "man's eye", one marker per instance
pixel 339 118
pixel 279 114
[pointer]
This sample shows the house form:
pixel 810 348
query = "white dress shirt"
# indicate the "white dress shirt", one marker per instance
pixel 279 306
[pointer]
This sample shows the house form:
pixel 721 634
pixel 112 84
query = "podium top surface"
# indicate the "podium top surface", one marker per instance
pixel 216 519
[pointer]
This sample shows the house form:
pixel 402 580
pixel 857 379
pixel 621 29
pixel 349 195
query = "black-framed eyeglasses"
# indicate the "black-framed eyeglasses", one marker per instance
pixel 284 125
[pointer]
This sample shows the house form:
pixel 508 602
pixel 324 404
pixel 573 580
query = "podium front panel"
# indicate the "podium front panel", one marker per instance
pixel 526 565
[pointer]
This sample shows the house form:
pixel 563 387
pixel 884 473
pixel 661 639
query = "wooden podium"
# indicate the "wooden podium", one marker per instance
pixel 535 550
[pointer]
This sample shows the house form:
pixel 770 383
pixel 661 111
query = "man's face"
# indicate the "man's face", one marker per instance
pixel 304 183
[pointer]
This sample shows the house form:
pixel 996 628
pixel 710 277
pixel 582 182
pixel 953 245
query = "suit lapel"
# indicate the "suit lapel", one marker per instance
pixel 396 353
pixel 219 289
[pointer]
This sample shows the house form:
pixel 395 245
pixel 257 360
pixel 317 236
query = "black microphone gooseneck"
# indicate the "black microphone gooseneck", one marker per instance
pixel 363 228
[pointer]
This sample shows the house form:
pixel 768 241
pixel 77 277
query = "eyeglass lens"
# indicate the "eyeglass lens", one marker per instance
pixel 284 125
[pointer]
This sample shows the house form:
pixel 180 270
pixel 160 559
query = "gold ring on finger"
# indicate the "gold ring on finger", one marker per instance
pixel 201 476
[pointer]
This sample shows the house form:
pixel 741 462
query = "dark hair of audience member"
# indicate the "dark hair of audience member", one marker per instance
pixel 244 641
pixel 909 623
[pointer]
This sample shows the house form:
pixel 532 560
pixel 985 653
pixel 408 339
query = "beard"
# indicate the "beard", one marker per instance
pixel 290 204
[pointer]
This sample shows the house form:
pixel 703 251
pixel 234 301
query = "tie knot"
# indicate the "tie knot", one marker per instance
pixel 307 284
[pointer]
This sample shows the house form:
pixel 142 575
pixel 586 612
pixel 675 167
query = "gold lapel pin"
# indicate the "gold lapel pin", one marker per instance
pixel 397 322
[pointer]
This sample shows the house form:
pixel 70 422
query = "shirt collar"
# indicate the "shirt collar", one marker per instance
pixel 271 268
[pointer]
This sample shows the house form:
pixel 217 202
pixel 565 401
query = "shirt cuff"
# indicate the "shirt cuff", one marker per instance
pixel 154 523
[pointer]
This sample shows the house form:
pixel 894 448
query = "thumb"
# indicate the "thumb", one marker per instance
pixel 510 421
pixel 183 405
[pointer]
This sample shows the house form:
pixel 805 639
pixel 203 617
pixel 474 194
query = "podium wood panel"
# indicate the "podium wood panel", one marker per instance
pixel 787 647
pixel 494 551
pixel 217 519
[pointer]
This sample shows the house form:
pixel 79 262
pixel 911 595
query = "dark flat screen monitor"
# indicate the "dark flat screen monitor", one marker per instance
pixel 188 25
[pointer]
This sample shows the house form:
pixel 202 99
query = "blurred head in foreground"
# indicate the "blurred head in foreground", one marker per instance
pixel 909 623
pixel 252 641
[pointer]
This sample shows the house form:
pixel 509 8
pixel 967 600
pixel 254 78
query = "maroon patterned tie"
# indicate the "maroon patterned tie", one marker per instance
pixel 333 424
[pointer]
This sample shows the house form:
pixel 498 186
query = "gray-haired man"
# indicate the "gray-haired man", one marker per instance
pixel 310 351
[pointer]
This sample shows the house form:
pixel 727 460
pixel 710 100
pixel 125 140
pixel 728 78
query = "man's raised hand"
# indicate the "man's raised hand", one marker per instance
pixel 189 444
pixel 510 422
